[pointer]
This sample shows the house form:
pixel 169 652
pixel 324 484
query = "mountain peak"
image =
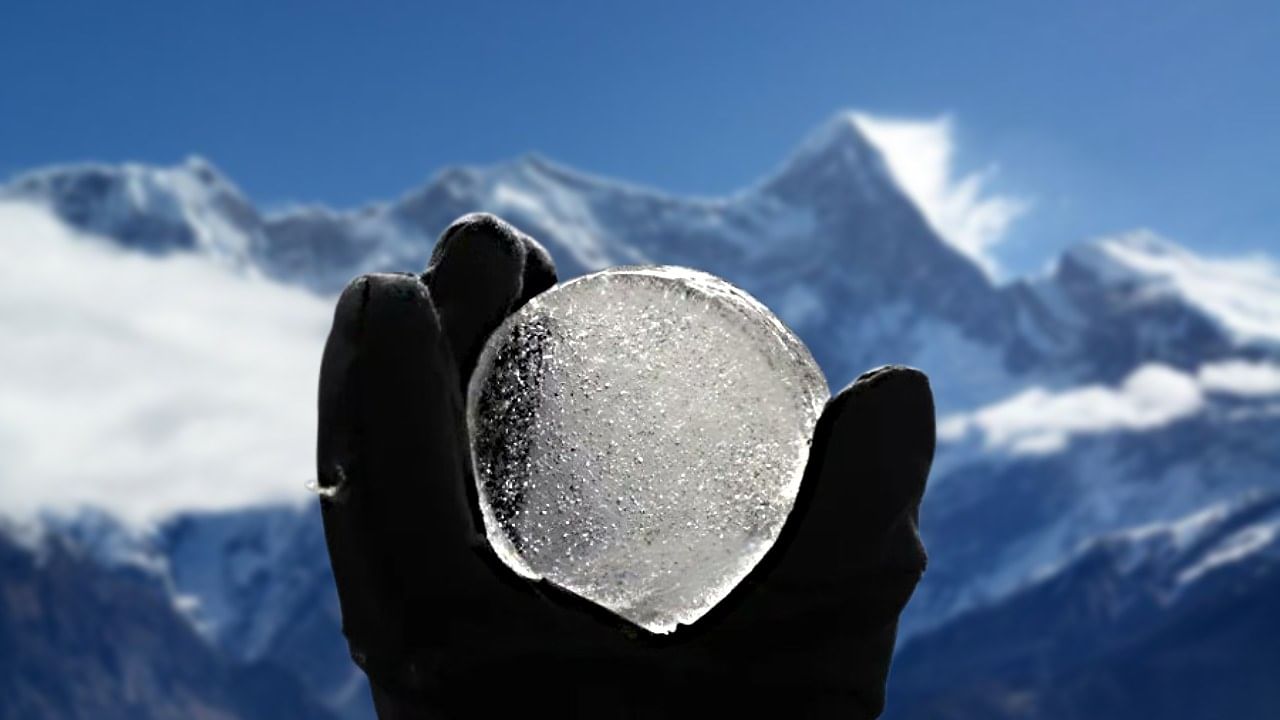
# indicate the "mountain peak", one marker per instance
pixel 1108 260
pixel 834 164
pixel 1240 295
pixel 1128 256
pixel 841 133
pixel 1145 241
pixel 206 172
pixel 1136 256
pixel 158 209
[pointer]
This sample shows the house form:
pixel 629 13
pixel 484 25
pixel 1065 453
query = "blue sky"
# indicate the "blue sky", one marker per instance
pixel 1094 117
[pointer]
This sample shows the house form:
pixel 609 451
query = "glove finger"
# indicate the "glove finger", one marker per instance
pixel 859 538
pixel 820 611
pixel 481 271
pixel 858 504
pixel 391 456
pixel 868 466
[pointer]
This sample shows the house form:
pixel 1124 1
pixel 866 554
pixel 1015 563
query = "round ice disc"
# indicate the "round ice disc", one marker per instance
pixel 639 436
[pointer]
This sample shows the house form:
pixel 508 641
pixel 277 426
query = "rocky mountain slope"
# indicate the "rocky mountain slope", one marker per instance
pixel 84 637
pixel 1165 620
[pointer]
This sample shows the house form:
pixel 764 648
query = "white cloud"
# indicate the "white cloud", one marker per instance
pixel 1240 377
pixel 146 385
pixel 919 153
pixel 1038 421
pixel 1041 421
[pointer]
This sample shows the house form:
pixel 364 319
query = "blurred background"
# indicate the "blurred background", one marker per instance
pixel 1065 214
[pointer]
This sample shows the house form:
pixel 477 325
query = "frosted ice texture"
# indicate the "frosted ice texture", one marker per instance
pixel 639 436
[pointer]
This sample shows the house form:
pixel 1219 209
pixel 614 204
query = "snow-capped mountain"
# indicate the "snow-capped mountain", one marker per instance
pixel 256 584
pixel 1133 384
pixel 1115 303
pixel 1171 619
pixel 1022 484
pixel 828 240
pixel 251 589
pixel 92 631
pixel 188 207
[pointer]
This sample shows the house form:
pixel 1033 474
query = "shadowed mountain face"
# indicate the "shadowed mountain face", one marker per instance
pixel 1165 621
pixel 1056 442
pixel 80 639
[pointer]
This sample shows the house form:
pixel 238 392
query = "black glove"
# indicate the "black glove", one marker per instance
pixel 444 629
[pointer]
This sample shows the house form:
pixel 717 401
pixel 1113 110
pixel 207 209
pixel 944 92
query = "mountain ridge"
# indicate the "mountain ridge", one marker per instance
pixel 826 233
pixel 1152 621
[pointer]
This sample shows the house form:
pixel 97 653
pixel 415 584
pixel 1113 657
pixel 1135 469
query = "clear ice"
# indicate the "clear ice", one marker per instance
pixel 639 436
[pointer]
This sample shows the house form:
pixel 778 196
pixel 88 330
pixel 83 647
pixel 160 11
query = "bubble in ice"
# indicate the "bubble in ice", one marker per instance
pixel 639 436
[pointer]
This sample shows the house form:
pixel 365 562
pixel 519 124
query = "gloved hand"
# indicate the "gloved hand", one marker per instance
pixel 444 629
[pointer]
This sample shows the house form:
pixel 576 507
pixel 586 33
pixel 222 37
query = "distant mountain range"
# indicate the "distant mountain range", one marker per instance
pixel 1101 519
pixel 1173 620
pixel 92 626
